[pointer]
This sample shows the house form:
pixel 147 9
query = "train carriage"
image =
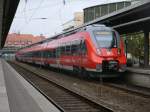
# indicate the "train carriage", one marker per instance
pixel 93 49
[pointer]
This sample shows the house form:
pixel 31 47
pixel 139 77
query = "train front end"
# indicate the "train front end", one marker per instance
pixel 109 49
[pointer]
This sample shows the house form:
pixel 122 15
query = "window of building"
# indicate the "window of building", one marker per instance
pixel 91 14
pixel 127 4
pixel 112 7
pixel 97 12
pixel 120 5
pixel 104 10
pixel 85 16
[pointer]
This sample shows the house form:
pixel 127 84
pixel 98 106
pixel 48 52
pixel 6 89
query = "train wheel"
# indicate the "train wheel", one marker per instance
pixel 75 70
pixel 83 73
pixel 46 65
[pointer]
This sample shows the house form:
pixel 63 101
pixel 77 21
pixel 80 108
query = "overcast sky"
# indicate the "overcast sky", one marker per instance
pixel 26 19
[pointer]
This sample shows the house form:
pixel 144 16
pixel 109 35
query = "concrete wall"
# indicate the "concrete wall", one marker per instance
pixel 138 76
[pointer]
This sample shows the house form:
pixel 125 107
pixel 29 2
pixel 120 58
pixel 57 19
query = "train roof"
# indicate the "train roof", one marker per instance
pixel 72 31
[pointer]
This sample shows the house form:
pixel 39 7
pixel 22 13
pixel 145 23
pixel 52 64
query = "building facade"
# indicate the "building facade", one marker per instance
pixel 21 40
pixel 75 22
pixel 16 41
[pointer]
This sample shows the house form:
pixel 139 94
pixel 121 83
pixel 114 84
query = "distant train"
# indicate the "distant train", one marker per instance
pixel 94 50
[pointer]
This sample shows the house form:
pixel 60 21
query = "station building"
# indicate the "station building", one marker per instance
pixel 94 12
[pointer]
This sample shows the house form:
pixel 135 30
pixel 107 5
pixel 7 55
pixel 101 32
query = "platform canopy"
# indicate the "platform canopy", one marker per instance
pixel 7 12
pixel 134 18
pixel 130 19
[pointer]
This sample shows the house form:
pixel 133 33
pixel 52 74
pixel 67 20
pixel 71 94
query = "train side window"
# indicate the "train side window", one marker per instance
pixel 47 54
pixel 68 51
pixel 63 50
pixel 38 54
pixel 41 54
pixel 44 54
pixel 30 54
pixel 50 54
pixel 54 53
pixel 34 54
pixel 79 47
pixel 58 51
pixel 74 49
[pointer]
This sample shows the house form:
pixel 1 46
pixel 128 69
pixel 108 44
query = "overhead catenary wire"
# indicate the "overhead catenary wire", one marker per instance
pixel 30 18
pixel 35 10
pixel 47 6
pixel 42 1
pixel 24 14
pixel 39 7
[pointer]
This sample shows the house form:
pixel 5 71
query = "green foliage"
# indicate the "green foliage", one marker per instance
pixel 135 45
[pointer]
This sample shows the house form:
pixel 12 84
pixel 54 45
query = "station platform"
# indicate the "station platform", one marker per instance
pixel 138 76
pixel 17 95
pixel 138 70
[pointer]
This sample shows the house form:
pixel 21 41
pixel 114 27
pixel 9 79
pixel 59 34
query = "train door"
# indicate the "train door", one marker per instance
pixel 78 54
pixel 58 57
pixel 83 54
pixel 41 57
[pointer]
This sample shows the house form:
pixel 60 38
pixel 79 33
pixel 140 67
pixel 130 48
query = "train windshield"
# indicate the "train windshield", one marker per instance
pixel 105 39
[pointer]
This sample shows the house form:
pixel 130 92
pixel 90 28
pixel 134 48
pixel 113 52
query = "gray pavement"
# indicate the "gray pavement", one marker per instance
pixel 22 96
pixel 4 105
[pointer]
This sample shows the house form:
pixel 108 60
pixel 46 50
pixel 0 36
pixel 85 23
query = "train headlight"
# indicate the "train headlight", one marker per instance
pixel 122 68
pixel 98 51
pixel 99 67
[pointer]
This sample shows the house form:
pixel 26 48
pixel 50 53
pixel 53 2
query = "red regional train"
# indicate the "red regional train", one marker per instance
pixel 91 50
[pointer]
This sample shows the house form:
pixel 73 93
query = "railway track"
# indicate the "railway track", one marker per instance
pixel 62 98
pixel 139 91
pixel 115 97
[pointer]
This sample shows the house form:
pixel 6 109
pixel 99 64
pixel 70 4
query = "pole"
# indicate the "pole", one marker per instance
pixel 1 21
pixel 146 48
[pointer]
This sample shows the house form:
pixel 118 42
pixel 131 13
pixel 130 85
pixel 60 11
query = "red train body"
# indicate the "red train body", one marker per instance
pixel 95 49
